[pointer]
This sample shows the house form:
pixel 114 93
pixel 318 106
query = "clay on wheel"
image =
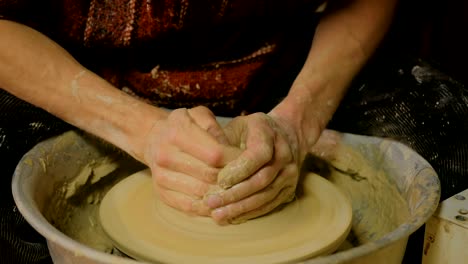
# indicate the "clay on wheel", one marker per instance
pixel 145 228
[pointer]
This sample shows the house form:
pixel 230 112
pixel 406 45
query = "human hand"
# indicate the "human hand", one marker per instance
pixel 185 153
pixel 264 176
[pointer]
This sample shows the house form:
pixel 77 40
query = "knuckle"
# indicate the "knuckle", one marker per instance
pixel 175 116
pixel 259 115
pixel 282 146
pixel 213 128
pixel 284 154
pixel 202 110
pixel 162 159
pixel 292 171
pixel 287 178
pixel 179 112
pixel 211 124
pixel 262 180
pixel 215 157
pixel 179 118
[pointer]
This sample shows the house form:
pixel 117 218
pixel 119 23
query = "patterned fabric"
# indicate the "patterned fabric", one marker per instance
pixel 177 53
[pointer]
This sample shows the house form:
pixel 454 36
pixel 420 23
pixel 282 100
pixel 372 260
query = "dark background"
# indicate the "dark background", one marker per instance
pixel 425 31
pixel 435 31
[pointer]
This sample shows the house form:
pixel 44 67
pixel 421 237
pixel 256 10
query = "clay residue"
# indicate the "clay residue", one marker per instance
pixel 75 208
pixel 90 174
pixel 75 87
pixel 378 206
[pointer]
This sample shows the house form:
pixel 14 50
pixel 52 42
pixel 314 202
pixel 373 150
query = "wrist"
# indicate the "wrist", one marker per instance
pixel 307 110
pixel 139 127
pixel 302 130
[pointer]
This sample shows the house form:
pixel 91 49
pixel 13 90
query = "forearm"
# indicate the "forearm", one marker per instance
pixel 37 70
pixel 345 38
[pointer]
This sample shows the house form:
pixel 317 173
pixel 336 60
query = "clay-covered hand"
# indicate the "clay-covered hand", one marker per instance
pixel 264 176
pixel 185 153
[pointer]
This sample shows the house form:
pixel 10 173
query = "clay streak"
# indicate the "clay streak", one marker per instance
pixel 75 87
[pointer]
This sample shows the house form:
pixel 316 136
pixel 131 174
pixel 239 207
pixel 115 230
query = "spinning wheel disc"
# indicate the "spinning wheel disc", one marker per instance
pixel 145 228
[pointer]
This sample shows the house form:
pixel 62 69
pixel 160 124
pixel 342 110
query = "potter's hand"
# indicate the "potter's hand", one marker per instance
pixel 185 153
pixel 264 176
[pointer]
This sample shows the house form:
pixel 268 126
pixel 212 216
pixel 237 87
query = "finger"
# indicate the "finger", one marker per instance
pixel 259 202
pixel 287 178
pixel 233 210
pixel 286 195
pixel 183 202
pixel 257 182
pixel 207 121
pixel 282 155
pixel 258 152
pixel 190 138
pixel 186 164
pixel 193 140
pixel 179 182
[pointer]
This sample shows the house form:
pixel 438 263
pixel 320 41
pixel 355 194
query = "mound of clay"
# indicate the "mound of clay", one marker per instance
pixel 146 229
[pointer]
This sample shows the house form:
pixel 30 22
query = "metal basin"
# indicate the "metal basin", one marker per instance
pixel 393 192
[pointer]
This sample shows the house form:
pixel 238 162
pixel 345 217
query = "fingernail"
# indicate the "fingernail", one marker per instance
pixel 219 213
pixel 214 201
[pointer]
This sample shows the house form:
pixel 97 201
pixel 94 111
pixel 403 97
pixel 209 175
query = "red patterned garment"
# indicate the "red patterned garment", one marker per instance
pixel 224 54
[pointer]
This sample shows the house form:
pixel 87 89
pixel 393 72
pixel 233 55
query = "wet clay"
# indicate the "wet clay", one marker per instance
pixel 144 227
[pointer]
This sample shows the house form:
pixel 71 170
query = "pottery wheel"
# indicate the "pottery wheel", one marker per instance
pixel 147 229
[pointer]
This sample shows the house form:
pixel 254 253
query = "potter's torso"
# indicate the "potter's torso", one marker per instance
pixel 172 52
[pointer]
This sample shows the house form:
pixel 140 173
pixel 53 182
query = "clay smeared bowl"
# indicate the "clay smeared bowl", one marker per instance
pixel 391 199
